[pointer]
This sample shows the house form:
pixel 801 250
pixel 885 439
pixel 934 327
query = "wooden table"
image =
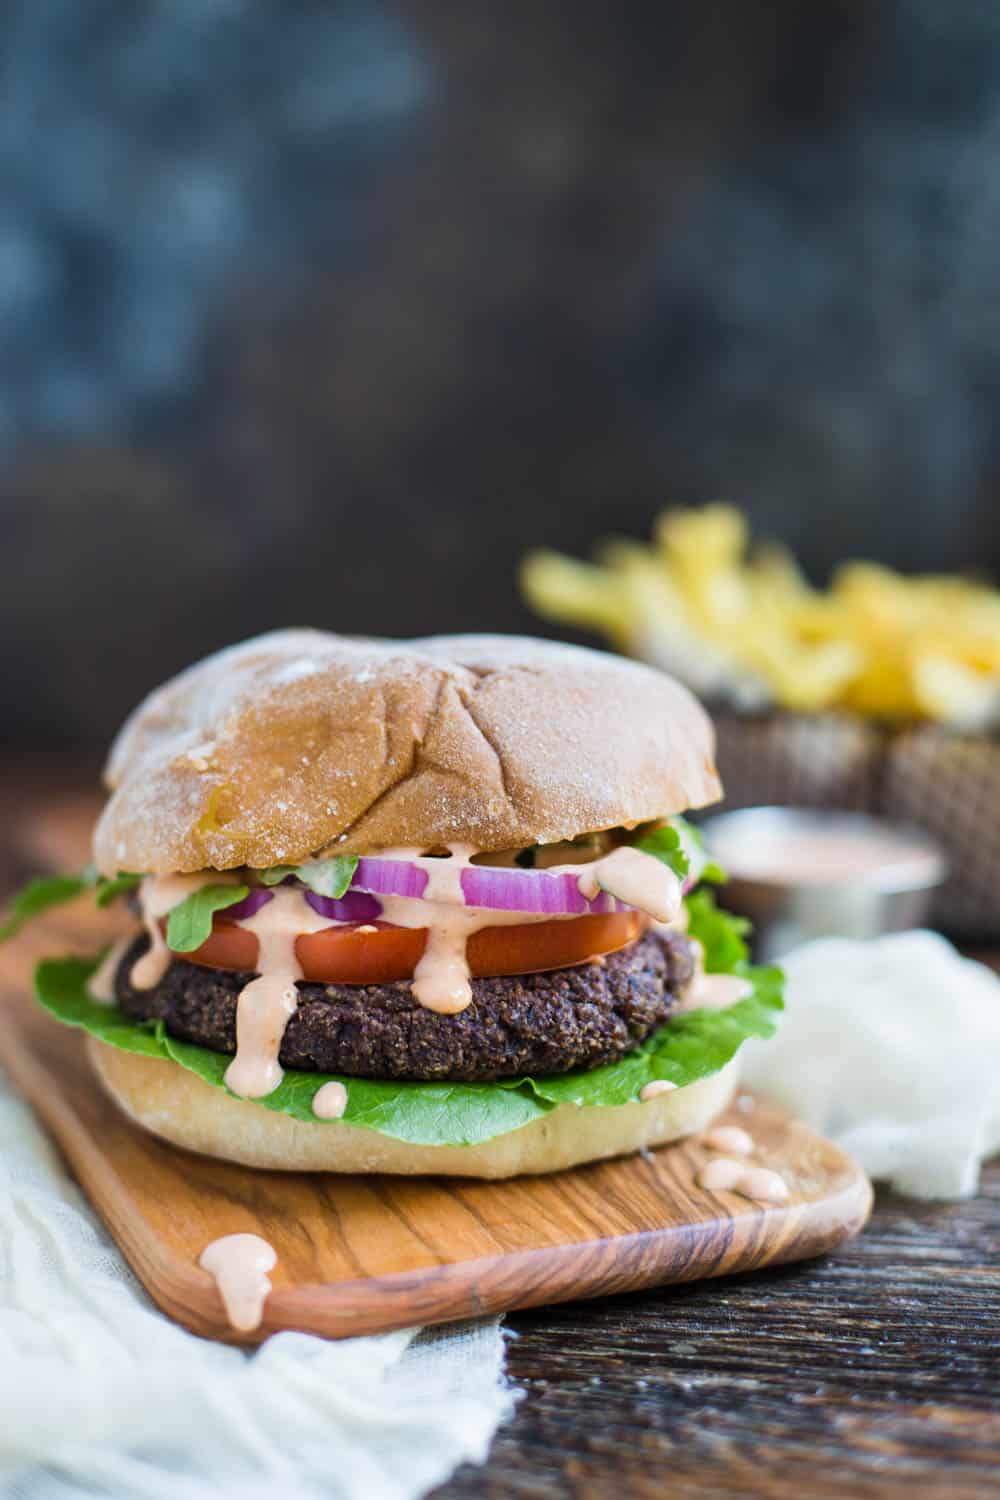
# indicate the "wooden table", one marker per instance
pixel 874 1372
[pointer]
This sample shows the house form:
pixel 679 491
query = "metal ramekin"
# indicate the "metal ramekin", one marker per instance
pixel 786 913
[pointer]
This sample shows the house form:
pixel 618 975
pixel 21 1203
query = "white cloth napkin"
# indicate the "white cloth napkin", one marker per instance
pixel 100 1395
pixel 892 1049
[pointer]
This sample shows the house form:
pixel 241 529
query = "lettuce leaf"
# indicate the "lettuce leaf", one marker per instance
pixel 720 934
pixel 666 845
pixel 690 1047
pixel 39 896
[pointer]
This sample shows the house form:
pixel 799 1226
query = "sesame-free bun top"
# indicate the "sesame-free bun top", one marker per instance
pixel 299 741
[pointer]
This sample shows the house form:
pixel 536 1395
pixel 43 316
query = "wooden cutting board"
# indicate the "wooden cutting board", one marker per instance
pixel 360 1255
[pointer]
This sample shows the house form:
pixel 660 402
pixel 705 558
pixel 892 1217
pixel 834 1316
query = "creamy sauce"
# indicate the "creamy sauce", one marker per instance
pixel 239 1264
pixel 729 1138
pixel 159 894
pixel 330 1101
pixel 441 979
pixel 654 1089
pixel 711 991
pixel 265 1005
pixel 101 984
pixel 824 856
pixel 714 992
pixel 638 879
pixel 723 1175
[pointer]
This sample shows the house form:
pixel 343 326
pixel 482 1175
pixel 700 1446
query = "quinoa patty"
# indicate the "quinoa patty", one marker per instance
pixel 552 1022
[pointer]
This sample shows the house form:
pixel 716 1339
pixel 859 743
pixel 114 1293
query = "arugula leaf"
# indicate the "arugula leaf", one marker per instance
pixel 666 845
pixel 702 868
pixel 108 889
pixel 190 922
pixel 327 877
pixel 690 1047
pixel 719 932
pixel 39 896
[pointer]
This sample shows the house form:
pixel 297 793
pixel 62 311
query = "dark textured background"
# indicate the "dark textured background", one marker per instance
pixel 324 312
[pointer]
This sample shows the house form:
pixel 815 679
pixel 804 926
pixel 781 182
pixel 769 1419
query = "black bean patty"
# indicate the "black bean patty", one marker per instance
pixel 523 1023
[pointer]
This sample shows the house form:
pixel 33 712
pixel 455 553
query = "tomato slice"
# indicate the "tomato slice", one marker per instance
pixel 380 953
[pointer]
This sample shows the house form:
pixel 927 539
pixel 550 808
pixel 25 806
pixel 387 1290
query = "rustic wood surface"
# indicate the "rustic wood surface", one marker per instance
pixel 874 1372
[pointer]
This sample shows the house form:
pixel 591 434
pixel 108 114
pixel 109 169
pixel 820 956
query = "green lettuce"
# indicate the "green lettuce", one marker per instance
pixel 690 1047
pixel 40 895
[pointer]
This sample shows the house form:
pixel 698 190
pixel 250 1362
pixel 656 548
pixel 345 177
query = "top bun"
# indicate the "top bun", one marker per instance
pixel 274 750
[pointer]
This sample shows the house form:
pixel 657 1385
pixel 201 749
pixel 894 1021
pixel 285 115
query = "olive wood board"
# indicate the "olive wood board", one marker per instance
pixel 360 1255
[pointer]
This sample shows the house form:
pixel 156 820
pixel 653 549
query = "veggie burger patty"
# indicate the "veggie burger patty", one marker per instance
pixel 551 1022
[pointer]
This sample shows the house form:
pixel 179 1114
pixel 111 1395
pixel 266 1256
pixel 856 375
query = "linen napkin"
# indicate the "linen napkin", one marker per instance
pixel 892 1049
pixel 101 1395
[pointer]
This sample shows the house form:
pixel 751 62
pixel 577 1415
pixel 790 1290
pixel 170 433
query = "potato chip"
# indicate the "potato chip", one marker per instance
pixel 751 629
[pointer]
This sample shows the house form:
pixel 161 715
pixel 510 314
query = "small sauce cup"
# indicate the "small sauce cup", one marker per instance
pixel 802 873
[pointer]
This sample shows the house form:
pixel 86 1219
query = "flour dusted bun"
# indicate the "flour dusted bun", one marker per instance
pixel 274 750
pixel 181 1108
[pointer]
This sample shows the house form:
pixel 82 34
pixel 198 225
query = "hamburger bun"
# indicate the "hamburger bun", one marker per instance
pixel 181 1108
pixel 300 741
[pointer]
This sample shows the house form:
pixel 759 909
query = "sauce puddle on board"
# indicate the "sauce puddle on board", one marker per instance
pixel 723 1175
pixel 239 1265
pixel 730 1138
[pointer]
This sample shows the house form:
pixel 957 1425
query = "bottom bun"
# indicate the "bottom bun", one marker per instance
pixel 180 1107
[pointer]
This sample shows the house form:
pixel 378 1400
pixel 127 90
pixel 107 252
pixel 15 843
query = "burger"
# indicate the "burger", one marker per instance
pixel 421 906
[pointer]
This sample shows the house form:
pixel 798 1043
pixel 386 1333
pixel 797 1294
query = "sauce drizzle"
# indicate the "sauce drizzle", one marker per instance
pixel 711 991
pixel 265 1005
pixel 101 984
pixel 655 1088
pixel 159 894
pixel 239 1264
pixel 330 1101
pixel 638 879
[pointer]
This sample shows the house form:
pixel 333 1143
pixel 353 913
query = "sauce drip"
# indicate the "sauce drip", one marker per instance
pixel 638 879
pixel 723 1175
pixel 265 1005
pixel 655 1088
pixel 711 991
pixel 158 894
pixel 239 1263
pixel 441 979
pixel 729 1138
pixel 101 984
pixel 330 1101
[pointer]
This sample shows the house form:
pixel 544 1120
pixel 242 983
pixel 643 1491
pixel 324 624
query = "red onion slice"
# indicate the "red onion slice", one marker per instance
pixel 248 907
pixel 389 877
pixel 494 888
pixel 355 906
pixel 557 895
